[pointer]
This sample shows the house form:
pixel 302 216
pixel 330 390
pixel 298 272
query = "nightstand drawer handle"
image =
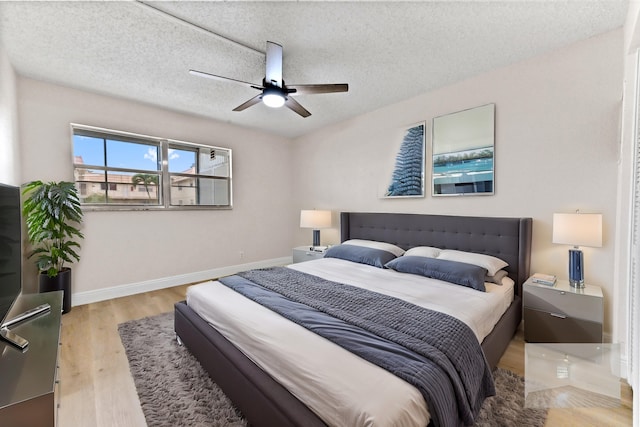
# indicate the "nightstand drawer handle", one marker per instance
pixel 559 316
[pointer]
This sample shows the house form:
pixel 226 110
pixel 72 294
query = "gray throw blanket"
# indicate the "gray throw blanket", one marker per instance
pixel 433 351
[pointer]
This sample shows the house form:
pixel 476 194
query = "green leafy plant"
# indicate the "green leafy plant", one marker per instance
pixel 52 211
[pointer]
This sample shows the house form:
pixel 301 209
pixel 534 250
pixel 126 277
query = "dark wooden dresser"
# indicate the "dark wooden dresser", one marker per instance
pixel 28 380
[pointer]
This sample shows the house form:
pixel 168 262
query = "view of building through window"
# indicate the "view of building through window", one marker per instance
pixel 202 181
pixel 122 170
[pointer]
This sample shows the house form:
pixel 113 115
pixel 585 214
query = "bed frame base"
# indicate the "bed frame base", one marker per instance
pixel 262 400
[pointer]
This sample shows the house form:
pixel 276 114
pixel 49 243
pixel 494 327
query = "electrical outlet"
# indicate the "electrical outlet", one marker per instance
pixel 241 254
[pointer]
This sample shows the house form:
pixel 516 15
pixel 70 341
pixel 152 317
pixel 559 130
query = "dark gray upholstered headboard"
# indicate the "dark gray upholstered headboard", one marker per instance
pixel 506 238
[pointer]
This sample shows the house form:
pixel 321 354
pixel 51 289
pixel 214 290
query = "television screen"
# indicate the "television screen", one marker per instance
pixel 10 248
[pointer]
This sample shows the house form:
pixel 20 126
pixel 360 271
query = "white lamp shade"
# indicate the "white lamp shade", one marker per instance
pixel 315 219
pixel 577 229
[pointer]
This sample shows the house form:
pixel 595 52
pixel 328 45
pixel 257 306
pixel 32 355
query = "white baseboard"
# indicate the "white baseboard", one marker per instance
pixel 607 339
pixel 87 297
pixel 623 367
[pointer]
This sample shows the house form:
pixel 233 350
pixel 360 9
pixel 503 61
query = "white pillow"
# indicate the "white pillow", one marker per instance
pixel 497 278
pixel 425 251
pixel 492 264
pixel 376 245
pixel 507 281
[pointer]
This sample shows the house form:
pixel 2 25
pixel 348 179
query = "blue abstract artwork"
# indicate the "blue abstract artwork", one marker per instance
pixel 407 179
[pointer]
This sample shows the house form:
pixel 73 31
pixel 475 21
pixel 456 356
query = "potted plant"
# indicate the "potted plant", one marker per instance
pixel 52 213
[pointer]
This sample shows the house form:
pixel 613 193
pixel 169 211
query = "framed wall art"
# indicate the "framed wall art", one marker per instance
pixel 463 152
pixel 407 179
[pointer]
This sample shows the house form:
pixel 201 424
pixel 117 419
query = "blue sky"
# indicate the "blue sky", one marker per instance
pixel 128 155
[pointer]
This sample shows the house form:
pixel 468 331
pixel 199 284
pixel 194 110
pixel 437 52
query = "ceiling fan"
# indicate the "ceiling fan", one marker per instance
pixel 273 92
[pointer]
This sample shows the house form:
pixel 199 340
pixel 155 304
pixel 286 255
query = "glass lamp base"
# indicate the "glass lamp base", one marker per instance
pixel 577 284
pixel 576 268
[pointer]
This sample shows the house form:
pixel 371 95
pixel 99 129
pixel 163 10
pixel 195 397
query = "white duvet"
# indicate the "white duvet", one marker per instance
pixel 341 388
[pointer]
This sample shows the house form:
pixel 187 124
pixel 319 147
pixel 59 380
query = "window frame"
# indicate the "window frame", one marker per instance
pixel 163 144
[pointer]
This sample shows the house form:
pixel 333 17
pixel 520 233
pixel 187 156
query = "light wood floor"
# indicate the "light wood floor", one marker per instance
pixel 97 388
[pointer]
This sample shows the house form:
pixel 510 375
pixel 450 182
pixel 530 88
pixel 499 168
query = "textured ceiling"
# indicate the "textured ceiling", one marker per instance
pixel 386 51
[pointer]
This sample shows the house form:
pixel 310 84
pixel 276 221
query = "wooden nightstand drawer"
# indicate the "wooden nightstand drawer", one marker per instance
pixel 564 302
pixel 542 326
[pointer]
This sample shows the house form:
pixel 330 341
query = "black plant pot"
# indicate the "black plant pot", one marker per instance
pixel 61 282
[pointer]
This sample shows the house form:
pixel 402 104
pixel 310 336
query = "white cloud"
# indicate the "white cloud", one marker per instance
pixel 151 154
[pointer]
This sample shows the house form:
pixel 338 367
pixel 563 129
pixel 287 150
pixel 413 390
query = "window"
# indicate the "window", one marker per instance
pixel 118 170
pixel 199 175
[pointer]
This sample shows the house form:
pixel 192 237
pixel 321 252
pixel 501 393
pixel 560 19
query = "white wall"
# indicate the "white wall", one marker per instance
pixel 9 150
pixel 125 248
pixel 557 147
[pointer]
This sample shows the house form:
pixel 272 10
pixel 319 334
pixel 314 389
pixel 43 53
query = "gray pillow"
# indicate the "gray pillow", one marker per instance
pixel 459 273
pixel 360 254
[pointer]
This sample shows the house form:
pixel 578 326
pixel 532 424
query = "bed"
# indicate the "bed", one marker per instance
pixel 265 402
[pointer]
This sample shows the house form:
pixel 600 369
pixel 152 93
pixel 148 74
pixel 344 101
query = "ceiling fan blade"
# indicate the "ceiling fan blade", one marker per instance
pixel 253 101
pixel 322 88
pixel 226 79
pixel 292 104
pixel 273 74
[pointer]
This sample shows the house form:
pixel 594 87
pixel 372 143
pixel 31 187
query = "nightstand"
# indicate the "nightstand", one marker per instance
pixel 303 253
pixel 562 314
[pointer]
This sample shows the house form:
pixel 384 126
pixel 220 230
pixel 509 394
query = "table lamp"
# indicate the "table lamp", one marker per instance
pixel 316 220
pixel 577 229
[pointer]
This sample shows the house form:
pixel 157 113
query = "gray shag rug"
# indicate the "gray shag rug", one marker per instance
pixel 175 391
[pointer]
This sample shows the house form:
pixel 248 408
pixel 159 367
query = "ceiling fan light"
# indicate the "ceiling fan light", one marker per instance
pixel 273 100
